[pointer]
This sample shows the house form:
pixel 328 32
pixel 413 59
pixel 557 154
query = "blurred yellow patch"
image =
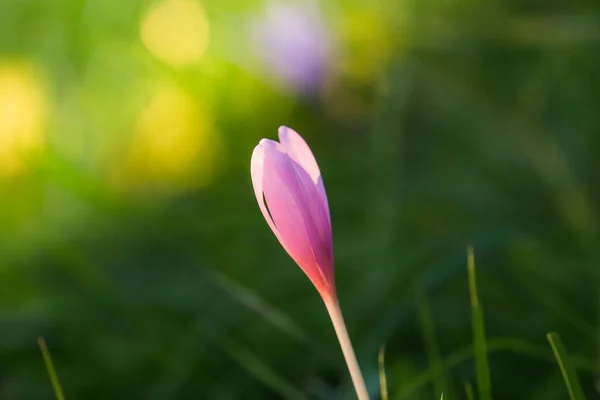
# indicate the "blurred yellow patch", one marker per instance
pixel 349 91
pixel 174 146
pixel 176 32
pixel 368 45
pixel 22 116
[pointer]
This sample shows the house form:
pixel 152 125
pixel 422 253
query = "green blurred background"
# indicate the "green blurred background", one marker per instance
pixel 131 240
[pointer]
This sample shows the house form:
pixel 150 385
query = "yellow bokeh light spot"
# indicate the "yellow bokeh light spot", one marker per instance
pixel 22 116
pixel 173 147
pixel 176 32
pixel 368 43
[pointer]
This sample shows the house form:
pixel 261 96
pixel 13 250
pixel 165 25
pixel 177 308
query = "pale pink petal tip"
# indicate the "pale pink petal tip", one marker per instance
pixel 297 148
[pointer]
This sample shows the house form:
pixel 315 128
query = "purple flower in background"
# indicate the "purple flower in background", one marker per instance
pixel 294 42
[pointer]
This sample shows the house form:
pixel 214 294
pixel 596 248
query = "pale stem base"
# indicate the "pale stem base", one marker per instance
pixel 335 312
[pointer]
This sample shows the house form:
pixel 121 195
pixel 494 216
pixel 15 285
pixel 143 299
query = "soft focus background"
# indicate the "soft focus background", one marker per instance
pixel 131 240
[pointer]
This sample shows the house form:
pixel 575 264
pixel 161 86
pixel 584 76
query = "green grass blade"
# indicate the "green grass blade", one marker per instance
pixel 431 344
pixel 545 295
pixel 469 391
pixel 566 368
pixel 254 302
pixel 382 377
pixel 484 383
pixel 51 371
pixel 501 344
pixel 255 367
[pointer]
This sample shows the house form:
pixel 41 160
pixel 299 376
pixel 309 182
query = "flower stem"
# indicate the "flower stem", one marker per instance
pixel 335 313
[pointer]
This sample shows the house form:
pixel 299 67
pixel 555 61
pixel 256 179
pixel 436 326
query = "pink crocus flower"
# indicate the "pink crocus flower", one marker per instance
pixel 291 195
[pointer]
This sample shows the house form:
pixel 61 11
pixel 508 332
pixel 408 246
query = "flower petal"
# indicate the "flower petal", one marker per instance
pixel 257 171
pixel 320 217
pixel 289 202
pixel 296 147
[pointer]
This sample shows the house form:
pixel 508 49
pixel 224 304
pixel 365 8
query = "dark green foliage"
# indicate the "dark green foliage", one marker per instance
pixel 479 125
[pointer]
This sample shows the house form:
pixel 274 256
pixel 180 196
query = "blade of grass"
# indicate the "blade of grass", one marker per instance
pixel 598 320
pixel 469 391
pixel 540 289
pixel 255 367
pixel 431 345
pixel 598 333
pixel 566 368
pixel 501 344
pixel 382 377
pixel 51 371
pixel 511 345
pixel 254 302
pixel 484 383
